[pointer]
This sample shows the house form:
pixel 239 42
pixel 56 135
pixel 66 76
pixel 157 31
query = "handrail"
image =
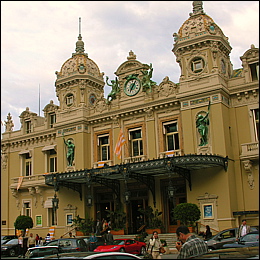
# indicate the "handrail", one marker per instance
pixel 68 232
pixel 205 226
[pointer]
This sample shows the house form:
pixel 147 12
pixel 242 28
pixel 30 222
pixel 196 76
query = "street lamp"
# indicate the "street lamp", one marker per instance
pixel 55 206
pixel 89 200
pixel 127 196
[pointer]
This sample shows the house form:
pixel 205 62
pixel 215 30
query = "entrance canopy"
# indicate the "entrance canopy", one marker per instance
pixel 144 172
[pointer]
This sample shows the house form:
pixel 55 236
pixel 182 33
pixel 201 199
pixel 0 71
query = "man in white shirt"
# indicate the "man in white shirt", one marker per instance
pixel 243 230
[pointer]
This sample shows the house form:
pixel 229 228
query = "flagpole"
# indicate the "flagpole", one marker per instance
pixel 39 101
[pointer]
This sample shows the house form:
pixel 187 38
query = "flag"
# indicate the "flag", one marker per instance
pixel 120 142
pixel 19 182
pixel 101 164
pixel 169 153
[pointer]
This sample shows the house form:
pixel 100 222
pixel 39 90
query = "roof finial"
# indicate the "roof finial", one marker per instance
pixel 197 8
pixel 79 43
pixel 79 29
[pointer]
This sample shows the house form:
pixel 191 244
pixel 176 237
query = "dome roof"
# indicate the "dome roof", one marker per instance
pixel 198 24
pixel 79 64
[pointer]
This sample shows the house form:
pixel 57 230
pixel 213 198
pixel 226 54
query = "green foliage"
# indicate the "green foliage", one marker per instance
pixel 187 213
pixel 117 218
pixel 141 237
pixel 152 217
pixel 84 225
pixel 23 222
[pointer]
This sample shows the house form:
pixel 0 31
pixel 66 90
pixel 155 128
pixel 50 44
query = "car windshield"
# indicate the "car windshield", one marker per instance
pixel 119 242
pixel 250 238
pixel 12 241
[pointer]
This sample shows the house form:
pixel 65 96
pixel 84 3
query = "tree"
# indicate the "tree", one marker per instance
pixel 23 222
pixel 187 213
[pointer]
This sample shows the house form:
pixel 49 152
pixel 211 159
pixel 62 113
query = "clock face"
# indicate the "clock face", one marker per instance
pixel 132 87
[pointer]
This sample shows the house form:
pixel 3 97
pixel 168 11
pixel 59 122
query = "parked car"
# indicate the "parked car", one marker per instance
pixel 124 245
pixel 41 251
pixel 231 253
pixel 100 242
pixel 225 236
pixel 69 244
pixel 93 255
pixel 10 247
pixel 6 238
pixel 250 239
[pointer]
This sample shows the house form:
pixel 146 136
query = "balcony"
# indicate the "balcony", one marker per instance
pixel 101 164
pixel 249 151
pixel 28 181
pixel 169 154
pixel 140 158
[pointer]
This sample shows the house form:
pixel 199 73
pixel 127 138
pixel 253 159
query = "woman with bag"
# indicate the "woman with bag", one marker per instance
pixel 156 244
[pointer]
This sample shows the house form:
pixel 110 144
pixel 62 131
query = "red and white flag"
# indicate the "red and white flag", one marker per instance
pixel 120 142
pixel 20 179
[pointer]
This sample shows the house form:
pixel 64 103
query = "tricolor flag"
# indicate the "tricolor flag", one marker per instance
pixel 169 153
pixel 101 164
pixel 120 142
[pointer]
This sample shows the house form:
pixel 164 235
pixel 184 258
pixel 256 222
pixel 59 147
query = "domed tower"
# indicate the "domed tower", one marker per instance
pixel 202 51
pixel 79 81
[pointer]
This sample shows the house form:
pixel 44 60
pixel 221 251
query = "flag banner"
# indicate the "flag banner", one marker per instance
pixel 120 142
pixel 19 182
pixel 101 164
pixel 169 153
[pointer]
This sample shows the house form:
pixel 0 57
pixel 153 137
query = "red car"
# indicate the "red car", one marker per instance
pixel 124 245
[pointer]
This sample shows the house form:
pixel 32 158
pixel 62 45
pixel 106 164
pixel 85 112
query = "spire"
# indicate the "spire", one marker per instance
pixel 197 8
pixel 79 43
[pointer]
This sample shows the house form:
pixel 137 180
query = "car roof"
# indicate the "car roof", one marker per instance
pixel 38 247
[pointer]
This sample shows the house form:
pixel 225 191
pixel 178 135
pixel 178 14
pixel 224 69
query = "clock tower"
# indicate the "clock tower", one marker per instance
pixel 202 51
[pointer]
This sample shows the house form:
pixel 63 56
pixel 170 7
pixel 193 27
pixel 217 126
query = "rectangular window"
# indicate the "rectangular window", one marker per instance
pixel 103 144
pixel 27 209
pixel 38 220
pixel 28 165
pixel 256 122
pixel 28 127
pixel 135 136
pixel 171 136
pixel 52 120
pixel 69 218
pixel 254 68
pixel 52 161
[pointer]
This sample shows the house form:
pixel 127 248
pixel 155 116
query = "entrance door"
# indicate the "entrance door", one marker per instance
pixel 135 218
pixel 180 197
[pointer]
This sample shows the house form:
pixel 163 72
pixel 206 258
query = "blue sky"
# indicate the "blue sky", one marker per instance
pixel 39 36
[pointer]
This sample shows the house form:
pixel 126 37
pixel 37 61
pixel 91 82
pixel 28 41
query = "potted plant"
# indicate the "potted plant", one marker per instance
pixel 83 226
pixel 187 214
pixel 23 222
pixel 118 221
pixel 153 220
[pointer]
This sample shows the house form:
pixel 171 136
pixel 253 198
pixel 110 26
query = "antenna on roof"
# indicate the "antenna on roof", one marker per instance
pixel 39 101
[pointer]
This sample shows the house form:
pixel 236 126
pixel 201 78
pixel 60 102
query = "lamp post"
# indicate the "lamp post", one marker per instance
pixel 55 206
pixel 89 200
pixel 171 190
pixel 127 196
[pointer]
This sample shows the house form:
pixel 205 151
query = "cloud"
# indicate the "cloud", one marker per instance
pixel 39 36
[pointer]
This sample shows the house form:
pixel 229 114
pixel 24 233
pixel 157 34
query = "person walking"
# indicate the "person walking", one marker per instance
pixel 189 245
pixel 37 239
pixel 109 238
pixel 48 238
pixel 20 245
pixel 243 229
pixel 92 242
pixel 208 233
pixel 31 241
pixel 155 245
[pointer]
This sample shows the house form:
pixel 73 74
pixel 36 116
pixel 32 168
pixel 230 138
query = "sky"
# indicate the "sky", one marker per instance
pixel 37 37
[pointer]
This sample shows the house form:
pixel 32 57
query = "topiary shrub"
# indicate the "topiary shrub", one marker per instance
pixel 23 222
pixel 186 213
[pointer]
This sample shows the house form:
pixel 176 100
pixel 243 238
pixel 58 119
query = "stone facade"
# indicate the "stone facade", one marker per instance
pixel 157 122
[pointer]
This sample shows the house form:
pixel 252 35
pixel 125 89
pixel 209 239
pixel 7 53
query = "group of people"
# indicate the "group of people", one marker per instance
pixel 26 242
pixel 102 226
pixel 188 244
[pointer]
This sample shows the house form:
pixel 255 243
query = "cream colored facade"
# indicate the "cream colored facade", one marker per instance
pixel 92 123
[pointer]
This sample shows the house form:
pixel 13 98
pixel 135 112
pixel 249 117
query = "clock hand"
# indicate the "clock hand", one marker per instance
pixel 132 86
